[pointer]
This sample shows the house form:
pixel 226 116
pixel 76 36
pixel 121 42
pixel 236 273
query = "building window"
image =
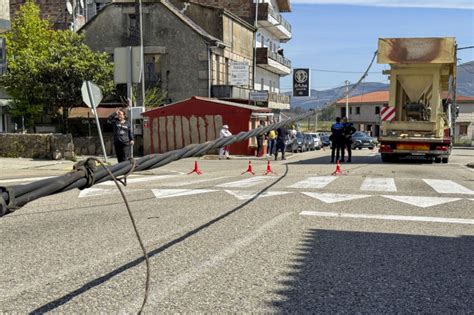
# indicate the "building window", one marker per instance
pixel 343 112
pixel 463 129
pixel 350 110
pixel 357 110
pixel 262 82
pixel 377 110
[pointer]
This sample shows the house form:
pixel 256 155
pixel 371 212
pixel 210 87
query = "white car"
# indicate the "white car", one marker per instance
pixel 318 144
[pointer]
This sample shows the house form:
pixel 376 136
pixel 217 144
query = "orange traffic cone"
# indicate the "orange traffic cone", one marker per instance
pixel 196 169
pixel 249 169
pixel 338 170
pixel 269 169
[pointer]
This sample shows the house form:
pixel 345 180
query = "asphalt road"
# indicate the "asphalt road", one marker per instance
pixel 384 238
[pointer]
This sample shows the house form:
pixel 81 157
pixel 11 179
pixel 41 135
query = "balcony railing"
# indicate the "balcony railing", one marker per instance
pixel 274 21
pixel 264 55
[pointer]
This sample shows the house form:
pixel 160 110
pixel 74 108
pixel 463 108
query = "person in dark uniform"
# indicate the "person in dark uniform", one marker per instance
pixel 348 131
pixel 282 135
pixel 123 135
pixel 337 138
pixel 260 139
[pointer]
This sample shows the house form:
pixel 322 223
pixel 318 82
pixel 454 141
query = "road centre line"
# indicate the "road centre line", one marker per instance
pixel 159 292
pixel 386 217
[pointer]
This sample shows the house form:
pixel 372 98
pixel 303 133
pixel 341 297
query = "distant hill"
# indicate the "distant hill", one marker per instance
pixel 465 87
pixel 465 79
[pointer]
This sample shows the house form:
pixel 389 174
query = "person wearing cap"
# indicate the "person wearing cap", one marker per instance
pixel 224 151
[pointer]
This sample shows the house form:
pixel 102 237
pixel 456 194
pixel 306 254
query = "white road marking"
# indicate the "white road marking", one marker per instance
pixel 332 198
pixel 314 182
pixel 378 184
pixel 145 178
pixel 387 217
pixel 422 202
pixel 245 195
pixel 29 179
pixel 159 291
pixel 197 181
pixel 252 181
pixel 444 186
pixel 169 193
pixel 92 192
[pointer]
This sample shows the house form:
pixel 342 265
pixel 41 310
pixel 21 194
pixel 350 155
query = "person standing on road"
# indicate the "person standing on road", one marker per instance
pixel 123 135
pixel 224 151
pixel 337 138
pixel 272 136
pixel 282 135
pixel 348 131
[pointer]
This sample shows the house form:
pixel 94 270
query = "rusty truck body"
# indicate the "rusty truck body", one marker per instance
pixel 422 79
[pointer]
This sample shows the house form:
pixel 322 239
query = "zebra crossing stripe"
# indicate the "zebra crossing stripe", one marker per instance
pixel 387 217
pixel 314 182
pixel 444 186
pixel 140 179
pixel 378 184
pixel 245 195
pixel 169 193
pixel 252 181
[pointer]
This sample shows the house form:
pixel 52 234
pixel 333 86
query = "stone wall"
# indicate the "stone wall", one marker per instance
pixel 42 146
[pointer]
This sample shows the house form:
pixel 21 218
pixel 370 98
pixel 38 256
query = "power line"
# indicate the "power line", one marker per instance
pixel 338 71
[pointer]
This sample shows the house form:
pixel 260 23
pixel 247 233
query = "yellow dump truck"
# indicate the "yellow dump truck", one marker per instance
pixel 420 115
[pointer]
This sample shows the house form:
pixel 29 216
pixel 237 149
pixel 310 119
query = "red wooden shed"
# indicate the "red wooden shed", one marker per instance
pixel 197 120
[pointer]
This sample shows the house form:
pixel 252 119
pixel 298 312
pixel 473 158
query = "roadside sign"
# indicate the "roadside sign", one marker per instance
pixel 387 113
pixel 92 96
pixel 259 96
pixel 96 96
pixel 127 64
pixel 301 82
pixel 239 73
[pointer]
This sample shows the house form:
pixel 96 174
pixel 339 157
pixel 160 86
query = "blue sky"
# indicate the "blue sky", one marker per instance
pixel 343 37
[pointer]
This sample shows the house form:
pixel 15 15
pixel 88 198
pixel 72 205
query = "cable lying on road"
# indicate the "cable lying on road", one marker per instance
pixel 86 175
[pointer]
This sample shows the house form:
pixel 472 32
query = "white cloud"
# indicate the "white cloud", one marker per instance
pixel 445 4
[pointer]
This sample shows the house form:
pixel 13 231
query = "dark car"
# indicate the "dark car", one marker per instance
pixel 325 140
pixel 362 140
pixel 310 143
pixel 302 142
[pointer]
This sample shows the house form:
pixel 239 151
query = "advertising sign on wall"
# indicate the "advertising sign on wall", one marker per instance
pixel 301 83
pixel 239 73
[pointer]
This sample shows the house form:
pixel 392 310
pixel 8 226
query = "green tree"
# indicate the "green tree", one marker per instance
pixel 46 68
pixel 328 113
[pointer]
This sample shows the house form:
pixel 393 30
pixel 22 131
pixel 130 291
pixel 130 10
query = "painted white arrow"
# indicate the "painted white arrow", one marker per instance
pixel 422 202
pixel 332 198
pixel 169 193
pixel 245 194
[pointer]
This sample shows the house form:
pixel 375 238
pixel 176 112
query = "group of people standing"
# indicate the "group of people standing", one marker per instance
pixel 341 137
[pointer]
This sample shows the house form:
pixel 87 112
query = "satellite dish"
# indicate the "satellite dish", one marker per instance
pixel 81 3
pixel 69 7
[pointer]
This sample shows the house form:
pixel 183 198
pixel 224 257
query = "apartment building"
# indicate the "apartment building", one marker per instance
pixel 272 30
pixel 181 57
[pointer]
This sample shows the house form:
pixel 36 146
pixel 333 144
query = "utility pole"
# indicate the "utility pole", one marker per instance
pixel 347 99
pixel 254 67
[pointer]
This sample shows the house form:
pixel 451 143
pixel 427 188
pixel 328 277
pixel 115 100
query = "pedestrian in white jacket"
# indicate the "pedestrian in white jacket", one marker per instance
pixel 224 151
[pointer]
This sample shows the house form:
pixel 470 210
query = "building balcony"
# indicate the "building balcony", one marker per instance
pixel 229 92
pixel 273 62
pixel 273 22
pixel 278 101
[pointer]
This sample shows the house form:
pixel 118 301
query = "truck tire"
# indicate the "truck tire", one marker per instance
pixel 445 160
pixel 437 159
pixel 386 158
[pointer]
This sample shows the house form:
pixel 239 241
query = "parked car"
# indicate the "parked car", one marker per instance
pixel 291 145
pixel 362 140
pixel 310 144
pixel 317 140
pixel 325 140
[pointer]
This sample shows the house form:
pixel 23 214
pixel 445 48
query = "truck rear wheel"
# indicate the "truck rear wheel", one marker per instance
pixel 445 160
pixel 437 159
pixel 386 157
